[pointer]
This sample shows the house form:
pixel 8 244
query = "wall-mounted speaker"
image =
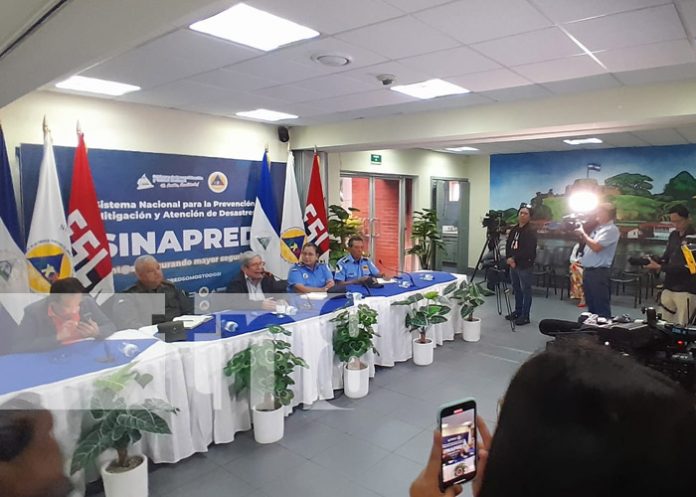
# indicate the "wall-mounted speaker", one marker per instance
pixel 283 134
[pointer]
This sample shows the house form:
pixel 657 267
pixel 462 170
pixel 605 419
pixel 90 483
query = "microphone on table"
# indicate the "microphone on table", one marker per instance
pixel 398 271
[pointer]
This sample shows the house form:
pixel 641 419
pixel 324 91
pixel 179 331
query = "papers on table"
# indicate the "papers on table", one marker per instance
pixel 316 295
pixel 191 321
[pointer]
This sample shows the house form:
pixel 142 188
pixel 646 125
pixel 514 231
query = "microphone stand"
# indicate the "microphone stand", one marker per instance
pixel 398 271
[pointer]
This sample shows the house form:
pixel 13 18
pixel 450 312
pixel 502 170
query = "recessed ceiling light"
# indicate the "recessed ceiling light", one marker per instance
pixel 254 28
pixel 462 149
pixel 582 141
pixel 266 115
pixel 332 60
pixel 94 85
pixel 430 89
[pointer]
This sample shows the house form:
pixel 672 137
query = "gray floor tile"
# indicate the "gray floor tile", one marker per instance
pixel 418 448
pixel 217 483
pixel 310 439
pixel 352 459
pixel 264 463
pixel 225 453
pixel 391 477
pixel 388 433
pixel 169 477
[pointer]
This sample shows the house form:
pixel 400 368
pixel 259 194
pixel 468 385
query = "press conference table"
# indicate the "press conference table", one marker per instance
pixel 189 374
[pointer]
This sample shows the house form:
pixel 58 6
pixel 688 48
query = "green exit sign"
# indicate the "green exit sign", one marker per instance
pixel 375 158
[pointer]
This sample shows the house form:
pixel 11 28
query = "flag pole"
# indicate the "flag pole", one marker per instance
pixel 45 126
pixel 78 128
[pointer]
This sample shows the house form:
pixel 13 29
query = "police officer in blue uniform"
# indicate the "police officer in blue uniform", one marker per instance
pixel 354 268
pixel 309 275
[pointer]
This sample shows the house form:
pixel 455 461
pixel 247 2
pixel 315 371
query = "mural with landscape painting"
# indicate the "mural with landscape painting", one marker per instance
pixel 642 182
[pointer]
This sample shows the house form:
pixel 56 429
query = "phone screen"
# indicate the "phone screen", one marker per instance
pixel 458 428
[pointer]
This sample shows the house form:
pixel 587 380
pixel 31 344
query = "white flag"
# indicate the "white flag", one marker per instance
pixel 265 240
pixel 48 244
pixel 292 232
pixel 14 280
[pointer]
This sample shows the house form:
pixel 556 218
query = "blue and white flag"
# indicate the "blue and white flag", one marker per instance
pixel 292 232
pixel 8 205
pixel 594 167
pixel 48 244
pixel 265 228
pixel 14 277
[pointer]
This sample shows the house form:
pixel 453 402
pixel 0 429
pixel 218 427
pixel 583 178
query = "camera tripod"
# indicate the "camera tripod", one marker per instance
pixel 502 291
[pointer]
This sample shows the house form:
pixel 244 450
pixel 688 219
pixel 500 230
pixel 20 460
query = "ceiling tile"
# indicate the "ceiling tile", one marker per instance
pixel 233 80
pixel 687 9
pixel 398 38
pixel 415 5
pixel 375 98
pixel 490 80
pixel 537 46
pixel 560 69
pixel 336 84
pixel 471 21
pixel 628 29
pixel 587 84
pixel 648 56
pixel 518 93
pixel 404 75
pixel 177 94
pixel 329 16
pixel 275 67
pixel 450 102
pixel 623 140
pixel 18 15
pixel 452 62
pixel 287 93
pixel 661 137
pixel 657 75
pixel 688 132
pixel 574 10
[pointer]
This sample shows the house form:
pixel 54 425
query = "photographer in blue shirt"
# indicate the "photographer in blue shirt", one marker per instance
pixel 310 275
pixel 354 268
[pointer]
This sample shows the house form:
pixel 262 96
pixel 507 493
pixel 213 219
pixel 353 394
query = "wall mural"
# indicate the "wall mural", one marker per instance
pixel 643 183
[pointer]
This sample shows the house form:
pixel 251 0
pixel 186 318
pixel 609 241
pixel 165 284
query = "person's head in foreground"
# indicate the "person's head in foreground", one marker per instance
pixel 252 266
pixel 31 464
pixel 310 254
pixel 356 247
pixel 580 420
pixel 606 212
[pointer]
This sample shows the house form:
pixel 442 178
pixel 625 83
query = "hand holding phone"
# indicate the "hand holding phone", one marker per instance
pixel 458 430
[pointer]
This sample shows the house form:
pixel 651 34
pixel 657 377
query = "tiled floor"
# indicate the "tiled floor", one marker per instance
pixel 374 446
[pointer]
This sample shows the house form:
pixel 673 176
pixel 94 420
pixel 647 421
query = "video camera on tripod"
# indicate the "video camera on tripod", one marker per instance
pixel 494 223
pixel 665 347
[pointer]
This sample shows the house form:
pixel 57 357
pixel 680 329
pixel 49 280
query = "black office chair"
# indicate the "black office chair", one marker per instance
pixel 542 269
pixel 623 275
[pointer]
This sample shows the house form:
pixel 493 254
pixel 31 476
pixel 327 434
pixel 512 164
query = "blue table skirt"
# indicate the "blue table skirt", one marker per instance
pixel 247 322
pixel 22 371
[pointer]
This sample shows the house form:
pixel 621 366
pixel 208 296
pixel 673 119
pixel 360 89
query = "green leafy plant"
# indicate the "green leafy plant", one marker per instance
pixel 111 423
pixel 272 362
pixel 342 225
pixel 432 309
pixel 469 296
pixel 354 335
pixel 425 236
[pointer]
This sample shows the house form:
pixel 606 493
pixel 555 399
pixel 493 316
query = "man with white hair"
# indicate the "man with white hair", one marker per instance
pixel 151 281
pixel 256 282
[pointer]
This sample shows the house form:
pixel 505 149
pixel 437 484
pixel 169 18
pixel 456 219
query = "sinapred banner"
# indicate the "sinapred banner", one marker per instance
pixel 192 213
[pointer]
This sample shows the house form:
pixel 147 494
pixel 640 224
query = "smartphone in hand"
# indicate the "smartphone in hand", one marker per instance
pixel 457 421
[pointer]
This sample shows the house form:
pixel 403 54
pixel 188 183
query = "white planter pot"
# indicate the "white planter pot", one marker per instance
pixel 423 352
pixel 471 330
pixel 132 483
pixel 269 426
pixel 356 382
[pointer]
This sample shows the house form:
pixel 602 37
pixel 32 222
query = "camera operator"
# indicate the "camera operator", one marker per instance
pixel 679 295
pixel 600 248
pixel 520 251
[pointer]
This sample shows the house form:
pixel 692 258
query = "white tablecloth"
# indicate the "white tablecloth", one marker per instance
pixel 189 375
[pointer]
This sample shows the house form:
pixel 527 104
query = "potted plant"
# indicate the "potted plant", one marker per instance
pixel 264 369
pixel 111 423
pixel 342 225
pixel 432 309
pixel 354 338
pixel 469 296
pixel 425 236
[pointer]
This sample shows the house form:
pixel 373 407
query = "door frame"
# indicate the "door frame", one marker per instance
pixel 402 204
pixel 433 186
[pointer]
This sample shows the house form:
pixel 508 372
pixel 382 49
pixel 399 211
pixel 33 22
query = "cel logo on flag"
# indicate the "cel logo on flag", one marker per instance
pixel 217 182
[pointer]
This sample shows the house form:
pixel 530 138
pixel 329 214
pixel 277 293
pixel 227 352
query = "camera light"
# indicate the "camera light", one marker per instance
pixel 583 201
